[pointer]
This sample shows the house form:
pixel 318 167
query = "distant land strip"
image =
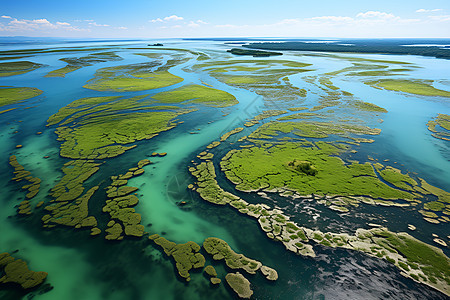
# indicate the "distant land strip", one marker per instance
pixel 375 47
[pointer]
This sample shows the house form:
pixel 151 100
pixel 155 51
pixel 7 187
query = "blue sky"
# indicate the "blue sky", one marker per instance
pixel 231 18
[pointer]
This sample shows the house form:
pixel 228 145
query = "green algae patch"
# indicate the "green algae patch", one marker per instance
pixel 17 68
pixel 123 218
pixel 100 127
pixel 197 94
pixel 11 95
pixel 366 106
pixel 73 214
pixel 417 87
pixel 440 127
pixel 372 242
pixel 239 284
pixel 219 250
pixel 74 63
pixel 33 183
pixel 254 75
pixel 210 271
pixel 311 129
pixel 225 136
pixel 17 272
pixel 264 115
pixel 186 256
pixel 297 116
pixel 432 260
pixel 207 185
pixel 131 78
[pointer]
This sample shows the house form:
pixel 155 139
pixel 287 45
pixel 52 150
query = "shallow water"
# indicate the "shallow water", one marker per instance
pixel 134 269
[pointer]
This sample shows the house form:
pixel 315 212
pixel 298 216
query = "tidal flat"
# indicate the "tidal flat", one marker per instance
pixel 198 174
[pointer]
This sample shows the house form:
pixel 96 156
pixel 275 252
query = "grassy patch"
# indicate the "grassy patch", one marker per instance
pixel 417 87
pixel 197 94
pixel 11 95
pixel 17 68
pixel 129 78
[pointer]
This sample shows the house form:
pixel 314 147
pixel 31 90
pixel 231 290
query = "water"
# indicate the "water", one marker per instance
pixel 135 269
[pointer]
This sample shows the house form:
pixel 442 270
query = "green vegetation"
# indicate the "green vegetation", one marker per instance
pixel 20 174
pixel 239 284
pixel 298 116
pixel 417 87
pixel 103 125
pixel 302 166
pixel 16 271
pixel 271 170
pixel 197 94
pixel 311 129
pixel 366 106
pixel 219 250
pixel 74 64
pixel 225 136
pixel 186 256
pixel 254 53
pixel 439 126
pixel 255 76
pixel 374 242
pixel 138 77
pixel 17 68
pixel 264 115
pixel 120 204
pixel 415 251
pixel 358 46
pixel 11 95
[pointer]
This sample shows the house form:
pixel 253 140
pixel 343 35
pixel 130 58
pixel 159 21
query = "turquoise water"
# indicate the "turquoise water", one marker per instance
pixel 82 267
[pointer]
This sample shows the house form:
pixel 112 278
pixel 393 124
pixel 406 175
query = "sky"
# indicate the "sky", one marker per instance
pixel 230 18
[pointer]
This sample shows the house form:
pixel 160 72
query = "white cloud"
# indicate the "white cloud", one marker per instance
pixel 122 28
pixel 41 21
pixel 6 17
pixel 156 20
pixel 98 25
pixel 227 26
pixel 442 18
pixel 36 25
pixel 173 18
pixel 375 14
pixel 332 18
pixel 422 10
pixel 202 22
pixel 193 24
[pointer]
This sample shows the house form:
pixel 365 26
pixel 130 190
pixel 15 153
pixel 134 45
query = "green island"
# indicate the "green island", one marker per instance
pixel 138 77
pixel 16 271
pixel 258 80
pixel 33 184
pixel 186 256
pixel 197 94
pixel 119 205
pixel 411 86
pixel 74 64
pixel 17 68
pixel 421 262
pixel 12 95
pixel 254 53
pixel 366 106
pixel 220 250
pixel 440 127
pixel 239 284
